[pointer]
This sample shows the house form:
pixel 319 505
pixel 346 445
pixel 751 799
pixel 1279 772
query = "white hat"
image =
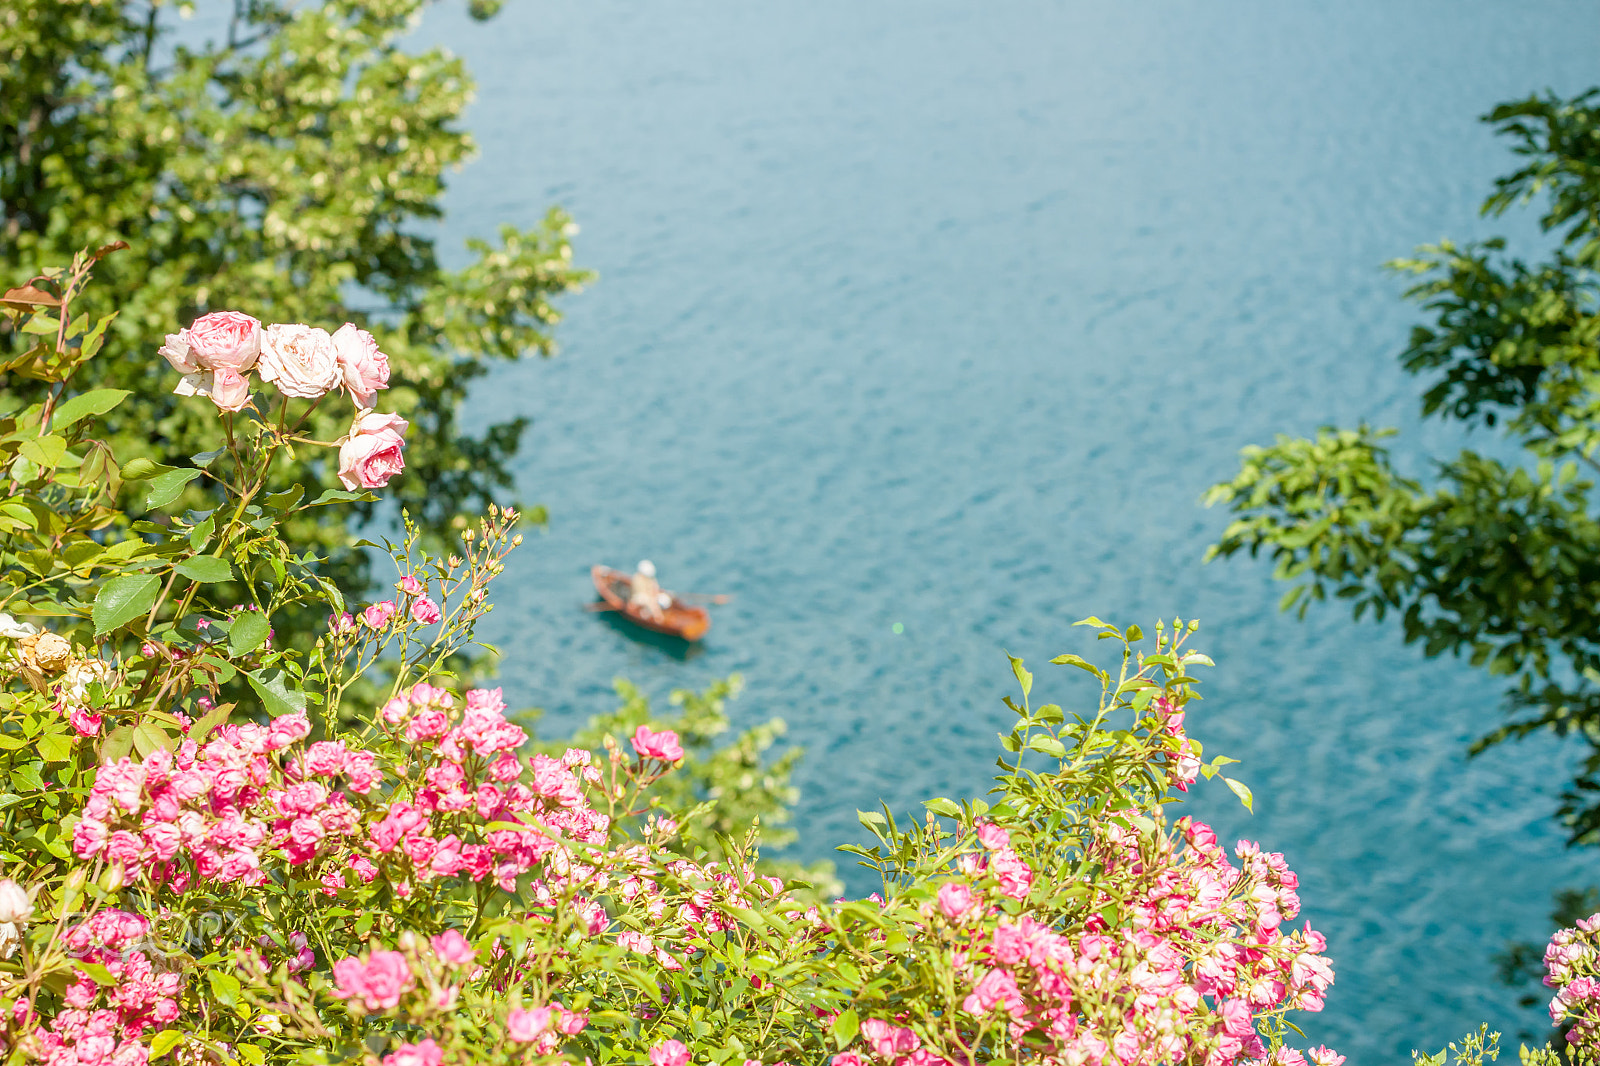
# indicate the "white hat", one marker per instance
pixel 647 568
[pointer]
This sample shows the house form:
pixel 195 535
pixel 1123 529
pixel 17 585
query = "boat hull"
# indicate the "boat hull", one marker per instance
pixel 678 620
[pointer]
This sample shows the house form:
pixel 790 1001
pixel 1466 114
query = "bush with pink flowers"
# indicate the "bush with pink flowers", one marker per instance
pixel 217 851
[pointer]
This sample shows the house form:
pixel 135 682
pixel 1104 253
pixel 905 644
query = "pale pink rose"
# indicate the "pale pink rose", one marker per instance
pixel 525 1025
pixel 370 455
pixel 669 1053
pixel 992 836
pixel 410 585
pixel 453 949
pixel 427 1053
pixel 425 611
pixel 955 900
pixel 387 977
pixel 300 360
pixel 176 351
pixel 224 339
pixel 225 387
pixel 364 369
pixel 663 745
pixel 377 616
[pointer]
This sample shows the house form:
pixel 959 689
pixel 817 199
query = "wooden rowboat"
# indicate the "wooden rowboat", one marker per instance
pixel 677 620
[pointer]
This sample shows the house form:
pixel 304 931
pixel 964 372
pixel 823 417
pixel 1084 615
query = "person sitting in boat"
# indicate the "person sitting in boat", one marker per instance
pixel 646 596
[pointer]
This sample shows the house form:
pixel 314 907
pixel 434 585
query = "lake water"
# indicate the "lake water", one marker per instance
pixel 942 316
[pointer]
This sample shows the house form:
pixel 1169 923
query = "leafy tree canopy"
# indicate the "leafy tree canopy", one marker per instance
pixel 285 170
pixel 1494 560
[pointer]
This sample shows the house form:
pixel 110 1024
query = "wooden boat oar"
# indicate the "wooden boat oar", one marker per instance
pixel 599 607
pixel 703 597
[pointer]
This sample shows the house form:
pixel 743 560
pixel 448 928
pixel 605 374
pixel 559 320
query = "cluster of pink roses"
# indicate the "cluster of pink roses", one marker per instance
pixel 413 983
pixel 217 353
pixel 199 811
pixel 213 811
pixel 103 1025
pixel 1572 968
pixel 1204 942
pixel 377 617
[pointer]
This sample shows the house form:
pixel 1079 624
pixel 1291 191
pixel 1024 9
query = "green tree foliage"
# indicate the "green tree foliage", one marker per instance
pixel 286 170
pixel 1498 561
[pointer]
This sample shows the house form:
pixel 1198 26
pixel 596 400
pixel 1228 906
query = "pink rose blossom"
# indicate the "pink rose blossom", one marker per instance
pixel 997 988
pixel 425 611
pixel 669 1053
pixel 377 616
pixel 176 352
pixel 525 1025
pixel 225 387
pixel 371 453
pixel 427 1053
pixel 223 340
pixel 651 745
pixel 362 367
pixel 887 1041
pixel 411 586
pixel 992 836
pixel 84 723
pixel 955 900
pixel 453 949
pixel 378 983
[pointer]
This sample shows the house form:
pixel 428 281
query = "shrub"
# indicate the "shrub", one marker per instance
pixel 216 851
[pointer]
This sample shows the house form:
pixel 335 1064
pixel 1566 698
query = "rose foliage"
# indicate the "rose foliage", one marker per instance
pixel 215 851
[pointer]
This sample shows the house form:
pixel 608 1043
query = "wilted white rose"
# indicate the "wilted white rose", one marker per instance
pixel 15 630
pixel 15 905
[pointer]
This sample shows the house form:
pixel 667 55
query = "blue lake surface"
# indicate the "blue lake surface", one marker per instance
pixel 945 314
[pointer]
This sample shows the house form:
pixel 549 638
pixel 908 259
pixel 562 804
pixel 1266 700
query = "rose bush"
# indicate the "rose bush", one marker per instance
pixel 215 851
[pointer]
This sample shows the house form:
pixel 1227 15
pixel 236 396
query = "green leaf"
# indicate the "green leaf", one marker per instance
pixel 117 743
pixel 140 468
pixel 205 568
pixel 149 737
pixel 202 726
pixel 1048 745
pixel 224 986
pixel 1075 660
pixel 278 698
pixel 251 1054
pixel 1242 790
pixel 164 488
pixel 122 599
pixel 282 501
pixel 845 1027
pixel 943 806
pixel 1024 678
pixel 45 451
pixel 341 496
pixel 207 458
pixel 86 404
pixel 96 972
pixel 247 633
pixel 55 747
pixel 164 1042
